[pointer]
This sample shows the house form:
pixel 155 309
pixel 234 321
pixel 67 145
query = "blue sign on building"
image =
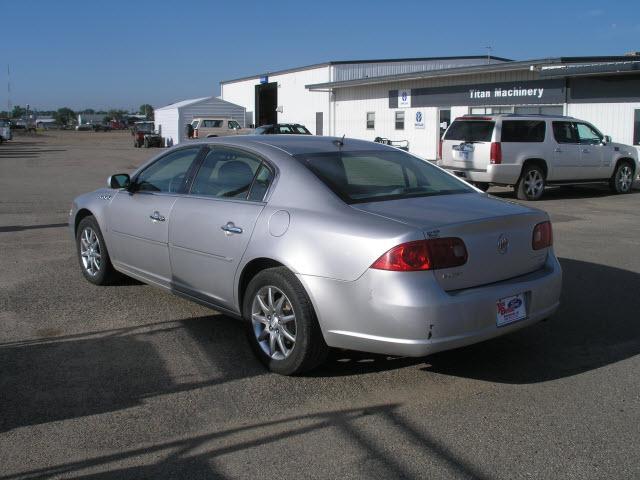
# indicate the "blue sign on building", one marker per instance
pixel 264 79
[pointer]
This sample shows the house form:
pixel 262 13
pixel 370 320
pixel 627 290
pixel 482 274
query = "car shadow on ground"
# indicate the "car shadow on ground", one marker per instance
pixel 63 377
pixel 596 325
pixel 568 192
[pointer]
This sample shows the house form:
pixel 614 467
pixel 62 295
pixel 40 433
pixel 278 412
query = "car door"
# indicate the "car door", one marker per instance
pixel 211 226
pixel 139 217
pixel 566 152
pixel 592 151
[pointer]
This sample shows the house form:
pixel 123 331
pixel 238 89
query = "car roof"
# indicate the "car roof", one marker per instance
pixel 299 144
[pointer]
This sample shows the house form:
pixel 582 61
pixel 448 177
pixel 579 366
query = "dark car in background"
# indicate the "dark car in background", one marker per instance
pixel 282 129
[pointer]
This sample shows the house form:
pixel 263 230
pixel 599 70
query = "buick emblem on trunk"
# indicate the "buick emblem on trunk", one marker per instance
pixel 503 244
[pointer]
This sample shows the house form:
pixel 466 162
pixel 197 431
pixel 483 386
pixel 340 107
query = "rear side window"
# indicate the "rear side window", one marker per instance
pixel 523 130
pixel 565 132
pixel 470 130
pixel 378 175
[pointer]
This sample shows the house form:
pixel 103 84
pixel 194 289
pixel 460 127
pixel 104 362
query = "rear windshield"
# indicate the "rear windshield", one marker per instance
pixel 470 130
pixel 523 130
pixel 377 175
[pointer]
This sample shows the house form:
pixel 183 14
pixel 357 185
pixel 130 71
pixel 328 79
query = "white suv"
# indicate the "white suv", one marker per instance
pixel 532 151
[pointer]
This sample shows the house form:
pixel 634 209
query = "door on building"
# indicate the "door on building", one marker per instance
pixel 319 122
pixel 444 117
pixel 266 104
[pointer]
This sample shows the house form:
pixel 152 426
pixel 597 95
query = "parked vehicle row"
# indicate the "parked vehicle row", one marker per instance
pixel 319 242
pixel 5 130
pixel 530 152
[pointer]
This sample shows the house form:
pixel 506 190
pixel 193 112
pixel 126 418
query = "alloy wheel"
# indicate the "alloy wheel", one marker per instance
pixel 625 178
pixel 274 322
pixel 533 183
pixel 90 251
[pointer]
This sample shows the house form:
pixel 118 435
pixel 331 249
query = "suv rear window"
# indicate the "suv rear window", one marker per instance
pixel 470 130
pixel 377 175
pixel 523 130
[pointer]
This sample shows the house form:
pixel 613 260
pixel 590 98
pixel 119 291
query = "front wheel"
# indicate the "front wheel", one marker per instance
pixel 282 327
pixel 92 253
pixel 622 178
pixel 531 184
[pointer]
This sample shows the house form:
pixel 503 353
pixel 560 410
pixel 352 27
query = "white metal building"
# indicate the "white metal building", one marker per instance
pixel 283 96
pixel 170 121
pixel 414 99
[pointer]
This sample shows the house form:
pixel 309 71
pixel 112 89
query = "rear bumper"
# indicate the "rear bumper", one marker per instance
pixel 408 313
pixel 502 174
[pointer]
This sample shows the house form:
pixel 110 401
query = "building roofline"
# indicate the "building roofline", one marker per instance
pixel 358 62
pixel 467 70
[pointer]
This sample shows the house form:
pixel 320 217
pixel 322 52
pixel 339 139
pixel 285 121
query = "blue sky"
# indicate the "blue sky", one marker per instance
pixel 86 54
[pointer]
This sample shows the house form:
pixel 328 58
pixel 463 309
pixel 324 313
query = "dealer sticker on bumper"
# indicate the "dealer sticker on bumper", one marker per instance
pixel 510 309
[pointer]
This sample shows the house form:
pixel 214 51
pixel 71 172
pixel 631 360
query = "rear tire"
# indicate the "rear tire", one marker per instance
pixel 93 254
pixel 622 179
pixel 277 309
pixel 531 184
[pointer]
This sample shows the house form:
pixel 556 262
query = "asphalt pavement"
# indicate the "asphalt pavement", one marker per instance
pixel 128 381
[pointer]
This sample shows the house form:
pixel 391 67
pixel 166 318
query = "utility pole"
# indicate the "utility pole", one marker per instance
pixel 8 91
pixel 489 49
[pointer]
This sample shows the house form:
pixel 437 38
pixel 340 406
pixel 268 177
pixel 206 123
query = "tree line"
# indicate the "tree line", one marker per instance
pixel 67 116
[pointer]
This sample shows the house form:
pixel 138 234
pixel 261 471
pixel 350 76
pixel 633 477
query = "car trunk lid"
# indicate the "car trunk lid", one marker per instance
pixel 496 233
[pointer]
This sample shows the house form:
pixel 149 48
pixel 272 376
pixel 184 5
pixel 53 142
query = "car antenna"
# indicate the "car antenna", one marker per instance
pixel 339 143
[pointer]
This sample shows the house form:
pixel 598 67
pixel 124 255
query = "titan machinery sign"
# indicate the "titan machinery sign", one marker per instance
pixel 505 93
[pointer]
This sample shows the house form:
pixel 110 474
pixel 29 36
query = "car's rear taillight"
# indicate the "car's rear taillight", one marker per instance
pixel 495 156
pixel 542 236
pixel 195 133
pixel 432 254
pixel 440 150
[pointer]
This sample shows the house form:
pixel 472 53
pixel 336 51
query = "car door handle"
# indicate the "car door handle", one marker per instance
pixel 586 150
pixel 156 217
pixel 558 150
pixel 231 228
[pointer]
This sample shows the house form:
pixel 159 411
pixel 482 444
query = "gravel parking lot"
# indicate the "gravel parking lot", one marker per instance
pixel 130 382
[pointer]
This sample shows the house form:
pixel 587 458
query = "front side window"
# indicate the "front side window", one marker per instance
pixel 399 120
pixel 470 130
pixel 194 124
pixel 226 173
pixel 168 173
pixel 588 135
pixel 371 120
pixel 378 175
pixel 301 129
pixel 523 130
pixel 565 132
pixel 233 125
pixel 284 129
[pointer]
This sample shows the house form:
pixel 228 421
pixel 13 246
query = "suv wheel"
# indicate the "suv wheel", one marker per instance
pixel 281 325
pixel 622 178
pixel 531 184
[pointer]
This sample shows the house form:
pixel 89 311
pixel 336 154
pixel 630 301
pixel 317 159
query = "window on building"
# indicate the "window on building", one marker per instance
pixel 523 131
pixel 541 110
pixel 636 127
pixel 490 110
pixel 400 120
pixel 371 120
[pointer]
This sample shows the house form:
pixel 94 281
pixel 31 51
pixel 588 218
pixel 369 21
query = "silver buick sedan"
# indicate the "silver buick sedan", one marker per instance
pixel 319 242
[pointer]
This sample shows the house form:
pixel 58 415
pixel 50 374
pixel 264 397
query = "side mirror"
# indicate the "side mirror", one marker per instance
pixel 119 180
pixel 607 139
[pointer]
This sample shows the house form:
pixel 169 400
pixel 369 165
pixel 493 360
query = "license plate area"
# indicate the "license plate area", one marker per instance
pixel 462 152
pixel 511 309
